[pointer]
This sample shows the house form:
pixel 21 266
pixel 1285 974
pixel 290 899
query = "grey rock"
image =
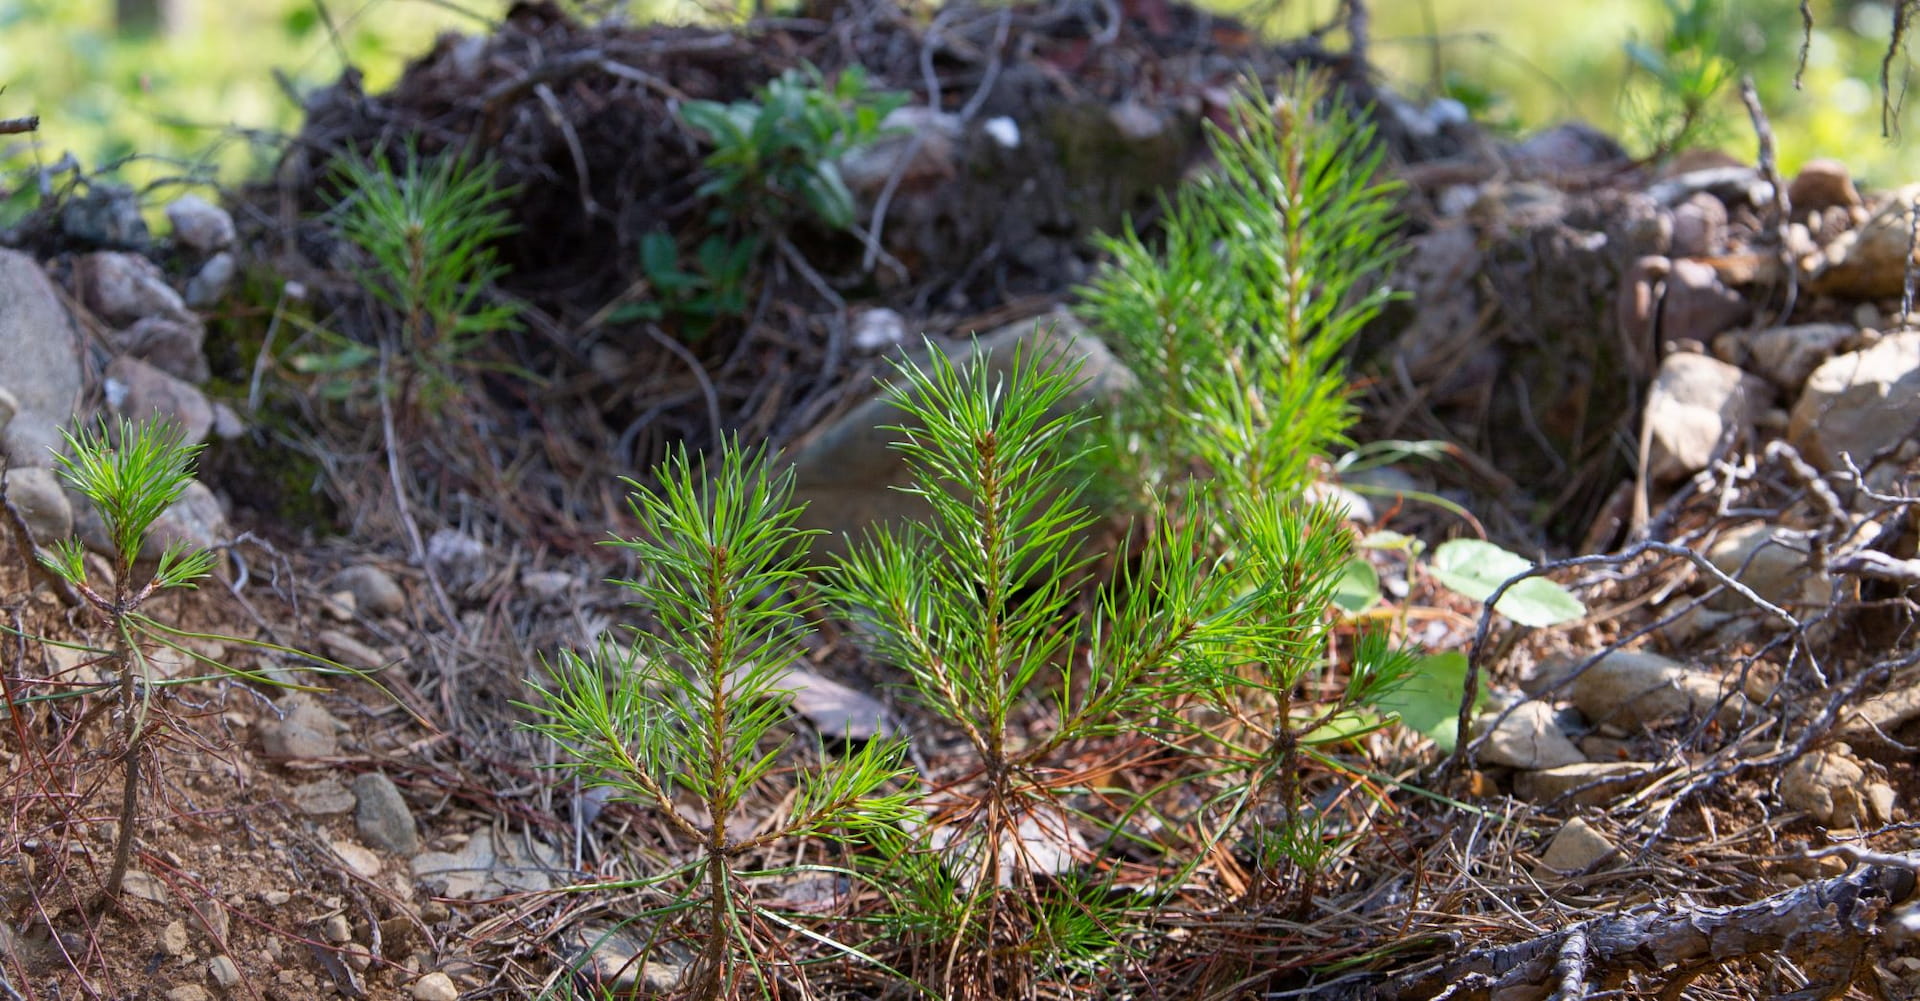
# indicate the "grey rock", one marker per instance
pixel 382 816
pixel 623 961
pixel 1569 146
pixel 1693 404
pixel 212 282
pixel 1773 561
pixel 374 591
pixel 876 330
pixel 1636 689
pixel 1597 782
pixel 1821 185
pixel 1699 227
pixel 200 224
pixel 227 424
pixel 35 492
pixel 107 215
pixel 169 344
pixel 8 407
pixel 42 374
pixel 1575 847
pixel 849 474
pixel 121 288
pixel 304 730
pixel 196 519
pixel 1528 738
pixel 1785 356
pixel 324 798
pixel 918 143
pixel 137 391
pixel 490 864
pixel 1697 305
pixel 1860 403
pixel 223 972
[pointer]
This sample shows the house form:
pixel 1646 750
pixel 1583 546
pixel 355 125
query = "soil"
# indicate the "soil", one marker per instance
pixel 524 475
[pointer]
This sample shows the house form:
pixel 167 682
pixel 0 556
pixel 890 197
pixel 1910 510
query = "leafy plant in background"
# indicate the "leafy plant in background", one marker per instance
pixel 694 708
pixel 774 163
pixel 775 157
pixel 131 475
pixel 428 231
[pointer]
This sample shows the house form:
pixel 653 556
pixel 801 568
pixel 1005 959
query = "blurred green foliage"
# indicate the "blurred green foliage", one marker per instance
pixel 202 97
pixel 1523 64
pixel 198 97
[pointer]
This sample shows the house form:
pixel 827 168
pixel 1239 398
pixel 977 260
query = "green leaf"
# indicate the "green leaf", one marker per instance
pixel 1358 588
pixel 1428 700
pixel 1476 569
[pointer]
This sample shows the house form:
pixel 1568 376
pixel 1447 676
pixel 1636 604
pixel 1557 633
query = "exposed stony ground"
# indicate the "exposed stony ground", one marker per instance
pixel 1695 383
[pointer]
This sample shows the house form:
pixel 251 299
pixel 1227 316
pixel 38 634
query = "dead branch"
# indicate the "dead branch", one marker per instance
pixel 15 126
pixel 1833 917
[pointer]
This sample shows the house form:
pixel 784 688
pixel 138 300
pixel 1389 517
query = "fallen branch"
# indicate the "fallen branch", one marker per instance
pixel 1841 916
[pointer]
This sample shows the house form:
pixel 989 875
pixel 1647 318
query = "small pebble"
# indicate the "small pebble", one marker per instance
pixel 435 986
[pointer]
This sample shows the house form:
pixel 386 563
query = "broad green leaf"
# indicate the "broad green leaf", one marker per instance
pixel 1428 701
pixel 1358 588
pixel 1475 569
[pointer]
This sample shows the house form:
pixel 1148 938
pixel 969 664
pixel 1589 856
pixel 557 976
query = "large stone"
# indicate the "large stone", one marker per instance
pixel 200 224
pixel 1859 403
pixel 1576 847
pixel 1773 561
pixel 1697 304
pixel 1785 356
pixel 1822 184
pixel 169 344
pixel 1529 738
pixel 137 391
pixel 1832 787
pixel 122 288
pixel 373 590
pixel 196 519
pixel 1592 783
pixel 1637 689
pixel 1869 262
pixel 849 475
pixel 1695 405
pixel 40 352
pixel 35 492
pixel 1699 226
pixel 381 815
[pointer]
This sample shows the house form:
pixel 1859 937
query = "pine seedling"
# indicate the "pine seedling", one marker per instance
pixel 975 605
pixel 131 475
pixel 427 230
pixel 1271 265
pixel 685 719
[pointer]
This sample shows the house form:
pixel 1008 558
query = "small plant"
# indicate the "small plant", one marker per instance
pixel 428 232
pixel 1270 267
pixel 976 606
pixel 684 719
pixel 715 288
pixel 131 474
pixel 1685 71
pixel 776 155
